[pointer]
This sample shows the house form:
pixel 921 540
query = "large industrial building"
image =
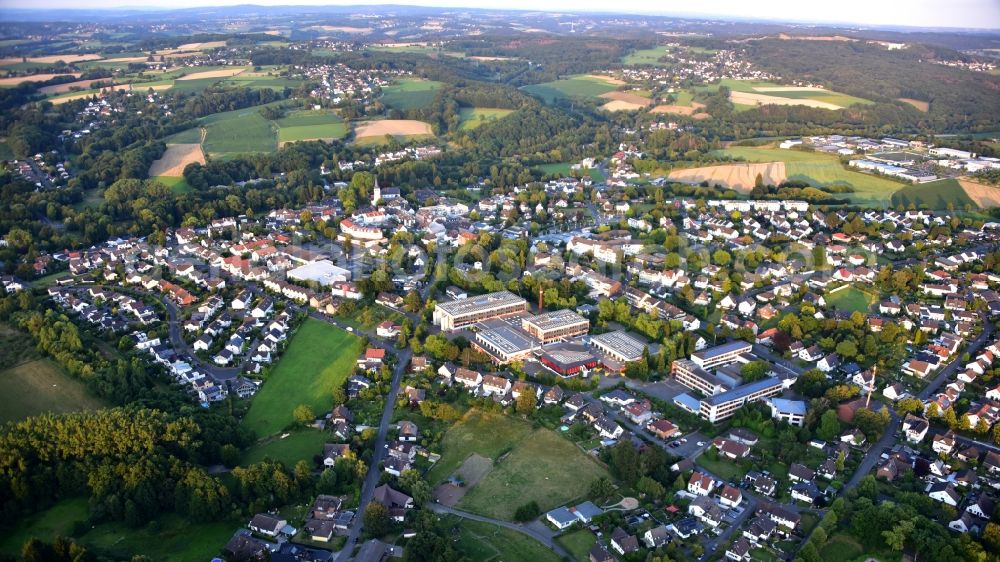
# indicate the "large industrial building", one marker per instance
pixel 720 354
pixel 694 377
pixel 323 272
pixel 504 344
pixel 556 325
pixel 618 345
pixel 568 359
pixel 460 313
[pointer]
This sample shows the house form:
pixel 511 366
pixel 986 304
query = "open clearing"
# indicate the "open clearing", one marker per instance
pixel 472 117
pixel 919 104
pixel 474 469
pixel 176 184
pixel 70 86
pixel 410 93
pixel 18 80
pixel 174 160
pixel 645 56
pixel 578 543
pixel 554 469
pixel 40 386
pixel 222 73
pixel 986 196
pixel 484 542
pixel 52 59
pixel 850 300
pixel 394 127
pixel 56 521
pixel 822 170
pixel 300 445
pixel 319 357
pixel 740 177
pixel 481 433
pixel 310 125
pixel 692 109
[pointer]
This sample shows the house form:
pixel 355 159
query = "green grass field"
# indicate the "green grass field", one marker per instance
pixel 243 130
pixel 564 169
pixel 300 445
pixel 42 387
pixel 937 195
pixel 483 542
pixel 486 434
pixel 829 96
pixel 187 136
pixel 578 543
pixel 645 56
pixel 58 520
pixel 410 93
pixel 850 299
pixel 472 117
pixel 723 468
pixel 5 152
pixel 842 547
pixel 819 170
pixel 318 358
pixel 310 125
pixel 175 183
pixel 581 86
pixel 175 539
pixel 554 470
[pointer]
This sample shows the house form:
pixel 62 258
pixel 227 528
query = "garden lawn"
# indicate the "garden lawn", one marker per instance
pixel 821 170
pixel 483 433
pixel 543 467
pixel 410 93
pixel 319 357
pixel 482 542
pixel 310 125
pixel 578 543
pixel 722 468
pixel 850 299
pixel 472 117
pixel 300 445
pixel 842 547
pixel 42 387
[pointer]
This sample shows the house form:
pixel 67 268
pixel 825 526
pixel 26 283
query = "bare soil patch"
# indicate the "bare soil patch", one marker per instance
pixel 747 98
pixel 198 46
pixel 128 59
pixel 223 73
pixel 395 127
pixel 619 105
pixel 17 80
pixel 740 177
pixel 919 104
pixel 474 469
pixel 174 160
pixel 692 109
pixel 608 79
pixel 985 196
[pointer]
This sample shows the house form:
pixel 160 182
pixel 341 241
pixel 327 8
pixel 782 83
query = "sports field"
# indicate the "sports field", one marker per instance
pixel 243 130
pixel 472 117
pixel 821 170
pixel 318 358
pixel 580 86
pixel 310 125
pixel 40 386
pixel 410 93
pixel 850 299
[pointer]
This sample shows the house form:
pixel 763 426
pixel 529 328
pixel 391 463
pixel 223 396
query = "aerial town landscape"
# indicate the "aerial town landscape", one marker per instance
pixel 331 282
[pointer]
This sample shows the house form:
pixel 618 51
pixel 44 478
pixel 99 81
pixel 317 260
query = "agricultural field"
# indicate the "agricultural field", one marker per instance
pixel 176 157
pixel 819 170
pixel 581 86
pixel 473 117
pixel 482 433
pixel 376 131
pixel 310 125
pixel 242 130
pixel 624 101
pixel 299 445
pixel 177 184
pixel 42 387
pixel 747 94
pixel 554 469
pixel 18 80
pixel 173 539
pixel 410 93
pixel 851 299
pixel 319 357
pixel 483 542
pixel 741 177
pixel 942 194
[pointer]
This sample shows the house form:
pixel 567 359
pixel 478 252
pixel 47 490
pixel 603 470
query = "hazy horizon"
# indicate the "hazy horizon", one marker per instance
pixel 966 14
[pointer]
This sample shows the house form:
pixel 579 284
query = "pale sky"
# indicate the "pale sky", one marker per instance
pixel 983 14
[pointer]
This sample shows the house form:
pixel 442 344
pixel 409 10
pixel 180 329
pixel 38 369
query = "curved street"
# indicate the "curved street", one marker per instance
pixel 535 530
